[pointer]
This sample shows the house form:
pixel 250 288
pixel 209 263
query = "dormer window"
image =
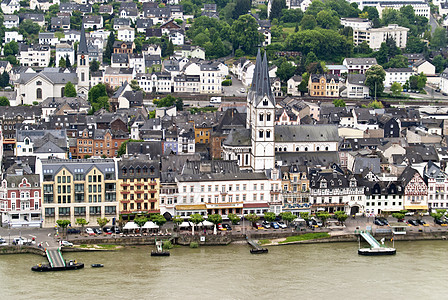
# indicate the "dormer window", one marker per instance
pixel 265 102
pixel 323 184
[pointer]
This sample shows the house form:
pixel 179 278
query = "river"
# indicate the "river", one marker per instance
pixel 316 271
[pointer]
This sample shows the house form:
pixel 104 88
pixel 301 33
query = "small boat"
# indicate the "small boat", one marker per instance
pixel 97 265
pixel 258 251
pixel 377 251
pixel 48 268
pixel 162 253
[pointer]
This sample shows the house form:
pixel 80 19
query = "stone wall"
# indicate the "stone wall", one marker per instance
pixel 21 249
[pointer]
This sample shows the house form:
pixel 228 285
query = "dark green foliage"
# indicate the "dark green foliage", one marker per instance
pixel 69 90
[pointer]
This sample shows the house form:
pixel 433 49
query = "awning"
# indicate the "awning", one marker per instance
pixel 417 207
pixel 299 220
pixel 191 207
pixel 207 223
pixel 131 225
pixel 150 225
pixel 185 224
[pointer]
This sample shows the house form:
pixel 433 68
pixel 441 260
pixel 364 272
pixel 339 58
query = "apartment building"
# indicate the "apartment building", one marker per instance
pixel 374 37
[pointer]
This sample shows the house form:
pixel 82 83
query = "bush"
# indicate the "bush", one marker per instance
pixel 167 245
pixel 227 82
pixel 194 245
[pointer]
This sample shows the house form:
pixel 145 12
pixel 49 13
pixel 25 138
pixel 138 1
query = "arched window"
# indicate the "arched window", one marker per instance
pixel 268 134
pixel 284 149
pixel 261 117
pixel 326 148
pixel 62 91
pixel 297 149
pixel 317 148
pixel 265 103
pixel 260 133
pixel 306 148
pixel 27 141
pixel 39 93
pixel 268 117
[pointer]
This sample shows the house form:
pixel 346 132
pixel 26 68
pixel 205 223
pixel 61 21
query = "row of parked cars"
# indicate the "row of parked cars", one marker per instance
pixel 417 222
pixel 98 231
pixel 267 225
pixel 442 222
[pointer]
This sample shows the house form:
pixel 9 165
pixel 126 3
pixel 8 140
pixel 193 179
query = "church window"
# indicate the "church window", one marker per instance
pixel 82 76
pixel 297 149
pixel 39 93
pixel 62 91
pixel 39 83
pixel 268 117
pixel 261 117
pixel 260 133
pixel 318 148
pixel 27 141
pixel 265 102
pixel 284 149
pixel 306 148
pixel 268 134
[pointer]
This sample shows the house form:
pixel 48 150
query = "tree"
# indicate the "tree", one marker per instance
pixel 98 97
pixel 195 219
pixel 375 77
pixel 102 222
pixel 245 35
pixel 68 63
pixel 338 103
pixel 438 214
pixel 94 66
pixel 285 71
pixel 158 219
pixel 4 79
pixel 83 222
pixel 396 89
pixel 11 48
pixel 398 61
pixel 341 216
pixel 398 215
pixel 63 224
pixel 308 22
pixel 323 216
pixel 28 28
pixel 276 9
pixel 109 47
pixel 303 86
pixel 328 19
pixel 375 104
pixel 288 217
pixel 438 39
pixel 135 86
pixel 177 220
pixel 69 90
pixel 439 63
pixel 233 218
pixel 140 221
pixel 269 216
pixel 4 101
pixel 215 219
pixel 61 63
pixel 305 215
pixel 252 218
pixel 242 7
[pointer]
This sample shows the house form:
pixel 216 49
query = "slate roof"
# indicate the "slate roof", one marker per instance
pixel 306 133
pixel 239 138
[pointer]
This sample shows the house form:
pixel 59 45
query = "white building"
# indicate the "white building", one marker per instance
pixel 437 181
pixel 421 8
pixel 34 55
pixel 293 85
pixel 374 37
pixel 400 75
pixel 11 21
pixel 444 81
pixel 126 34
pixel 13 36
pixel 48 38
pixel 10 6
pixel 356 23
pixel 64 50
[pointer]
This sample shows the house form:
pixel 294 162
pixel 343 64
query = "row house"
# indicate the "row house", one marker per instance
pixel 358 64
pixel 323 85
pixel 187 84
pixel 138 186
pixel 437 182
pixel 20 197
pixel 415 190
pixel 98 142
pixel 115 77
pixel 400 75
pixel 74 189
pixel 294 189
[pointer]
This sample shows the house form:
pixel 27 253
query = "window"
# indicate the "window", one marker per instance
pixel 260 134
pixel 268 117
pixel 268 134
pixel 261 117
pixel 39 93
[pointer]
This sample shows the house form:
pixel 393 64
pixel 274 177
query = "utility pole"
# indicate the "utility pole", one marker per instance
pixel 375 90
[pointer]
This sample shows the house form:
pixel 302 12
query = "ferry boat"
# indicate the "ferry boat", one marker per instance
pixel 377 251
pixel 72 265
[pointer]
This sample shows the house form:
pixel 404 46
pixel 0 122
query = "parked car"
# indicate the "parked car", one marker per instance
pixel 220 227
pixel 382 220
pixel 97 230
pixel 412 222
pixel 90 231
pixel 282 224
pixel 257 225
pixel 275 225
pixel 227 226
pixel 2 241
pixel 108 230
pixel 266 224
pixel 378 222
pixel 73 231
pixel 441 222
pixel 66 244
pixel 438 90
pixel 312 223
pixel 117 230
pixel 421 222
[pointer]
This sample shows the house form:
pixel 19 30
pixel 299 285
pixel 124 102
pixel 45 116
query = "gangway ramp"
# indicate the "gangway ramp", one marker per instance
pixel 55 258
pixel 256 248
pixel 370 239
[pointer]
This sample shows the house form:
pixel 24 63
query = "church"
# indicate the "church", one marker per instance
pixel 33 85
pixel 263 145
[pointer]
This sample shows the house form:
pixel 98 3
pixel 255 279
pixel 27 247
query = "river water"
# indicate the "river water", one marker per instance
pixel 318 271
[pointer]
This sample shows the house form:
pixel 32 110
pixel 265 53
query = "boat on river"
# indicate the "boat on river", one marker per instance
pixel 72 265
pixel 377 251
pixel 159 250
pixel 97 265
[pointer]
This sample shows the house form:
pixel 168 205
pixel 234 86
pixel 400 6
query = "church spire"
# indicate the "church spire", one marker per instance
pixel 255 77
pixel 266 83
pixel 82 47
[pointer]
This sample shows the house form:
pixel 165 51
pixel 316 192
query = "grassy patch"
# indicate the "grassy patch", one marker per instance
pixel 289 30
pixel 306 236
pixel 107 246
pixel 264 242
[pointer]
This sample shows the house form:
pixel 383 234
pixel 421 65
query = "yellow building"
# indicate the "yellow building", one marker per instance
pixel 84 188
pixel 139 187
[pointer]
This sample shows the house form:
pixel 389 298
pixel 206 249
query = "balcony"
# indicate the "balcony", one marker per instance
pixel 125 192
pixel 138 200
pixel 125 184
pixel 139 183
pixel 139 191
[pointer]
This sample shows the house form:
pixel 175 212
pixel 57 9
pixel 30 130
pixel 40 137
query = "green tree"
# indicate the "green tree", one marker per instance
pixel 242 7
pixel 83 222
pixel 252 218
pixel 109 47
pixel 328 19
pixel 245 35
pixel 63 224
pixel 308 22
pixel 398 61
pixel 102 222
pixel 69 90
pixel 338 103
pixel 4 101
pixel 323 216
pixel 61 63
pixel 288 217
pixel 140 221
pixel 375 77
pixel 177 220
pixel 135 86
pixel 277 9
pixel 438 214
pixel 341 216
pixel 439 63
pixel 398 215
pixel 215 219
pixel 11 48
pixel 98 98
pixel 195 219
pixel 438 39
pixel 396 89
pixel 233 218
pixel 285 71
pixel 305 215
pixel 4 79
pixel 94 66
pixel 28 28
pixel 158 219
pixel 375 104
pixel 315 7
pixel 269 216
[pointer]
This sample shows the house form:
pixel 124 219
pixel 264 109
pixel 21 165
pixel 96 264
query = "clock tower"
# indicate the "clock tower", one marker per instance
pixel 82 69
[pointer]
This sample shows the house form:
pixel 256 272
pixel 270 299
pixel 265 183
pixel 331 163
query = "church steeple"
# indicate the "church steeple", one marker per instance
pixel 82 69
pixel 82 47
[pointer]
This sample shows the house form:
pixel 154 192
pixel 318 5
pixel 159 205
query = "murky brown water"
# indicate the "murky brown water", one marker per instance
pixel 321 271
